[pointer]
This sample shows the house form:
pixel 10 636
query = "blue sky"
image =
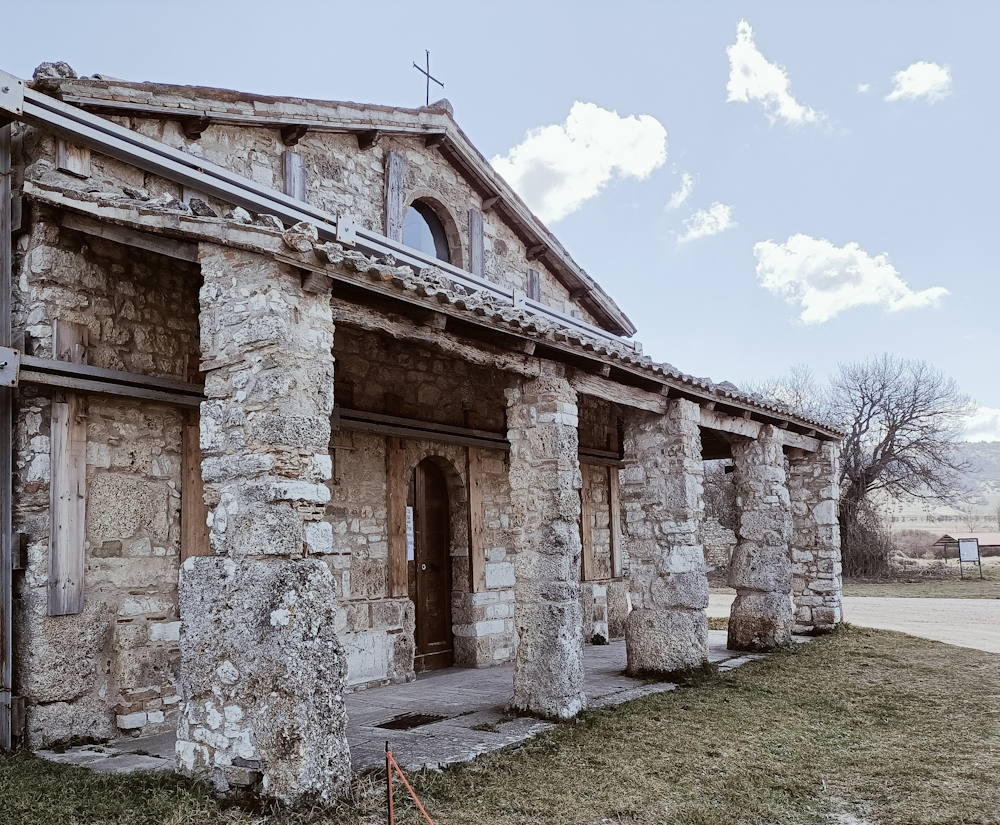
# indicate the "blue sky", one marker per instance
pixel 847 178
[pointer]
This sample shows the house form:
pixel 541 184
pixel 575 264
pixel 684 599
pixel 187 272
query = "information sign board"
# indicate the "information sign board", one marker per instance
pixel 968 550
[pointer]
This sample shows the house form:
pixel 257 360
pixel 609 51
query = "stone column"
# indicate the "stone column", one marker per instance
pixel 262 670
pixel 545 484
pixel 813 484
pixel 760 570
pixel 661 492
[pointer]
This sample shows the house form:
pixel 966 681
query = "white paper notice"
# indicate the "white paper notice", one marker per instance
pixel 968 549
pixel 409 534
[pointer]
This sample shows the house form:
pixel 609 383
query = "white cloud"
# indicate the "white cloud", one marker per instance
pixel 751 77
pixel 984 425
pixel 557 168
pixel 922 79
pixel 683 193
pixel 863 87
pixel 826 280
pixel 707 222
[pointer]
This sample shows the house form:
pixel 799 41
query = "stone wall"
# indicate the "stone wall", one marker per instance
pixel 262 669
pixel 114 667
pixel 817 584
pixel 761 571
pixel 661 510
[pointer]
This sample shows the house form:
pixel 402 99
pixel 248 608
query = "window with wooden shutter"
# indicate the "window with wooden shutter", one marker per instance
pixel 394 197
pixel 534 285
pixel 476 242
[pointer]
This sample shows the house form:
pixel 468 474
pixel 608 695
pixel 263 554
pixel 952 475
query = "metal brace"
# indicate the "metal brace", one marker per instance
pixel 10 366
pixel 11 94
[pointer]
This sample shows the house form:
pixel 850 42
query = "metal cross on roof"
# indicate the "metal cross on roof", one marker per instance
pixel 427 72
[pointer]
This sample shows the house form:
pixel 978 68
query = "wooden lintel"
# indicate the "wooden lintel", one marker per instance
pixel 170 247
pixel 490 203
pixel 536 252
pixel 622 394
pixel 291 135
pixel 194 126
pixel 748 428
pixel 368 138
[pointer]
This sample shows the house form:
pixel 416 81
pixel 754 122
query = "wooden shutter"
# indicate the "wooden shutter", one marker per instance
pixel 194 511
pixel 534 285
pixel 394 197
pixel 68 480
pixel 476 242
pixel 586 528
pixel 395 457
pixel 293 168
pixel 477 552
pixel 614 504
pixel 72 158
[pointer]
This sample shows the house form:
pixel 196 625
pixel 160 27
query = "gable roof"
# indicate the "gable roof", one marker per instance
pixel 985 539
pixel 197 107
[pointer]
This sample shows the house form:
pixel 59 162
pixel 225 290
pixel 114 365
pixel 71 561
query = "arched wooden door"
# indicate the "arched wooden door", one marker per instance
pixel 431 569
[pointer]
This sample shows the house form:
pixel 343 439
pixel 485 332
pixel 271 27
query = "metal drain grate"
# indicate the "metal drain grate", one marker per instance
pixel 408 721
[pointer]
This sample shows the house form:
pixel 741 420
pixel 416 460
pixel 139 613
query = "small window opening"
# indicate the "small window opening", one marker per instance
pixel 423 230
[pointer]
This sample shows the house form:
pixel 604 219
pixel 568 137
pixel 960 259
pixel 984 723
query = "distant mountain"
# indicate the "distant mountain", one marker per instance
pixel 981 485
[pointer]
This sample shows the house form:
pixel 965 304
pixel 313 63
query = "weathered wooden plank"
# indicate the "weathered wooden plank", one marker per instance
pixel 293 168
pixel 394 197
pixel 615 509
pixel 72 158
pixel 476 242
pixel 477 550
pixel 171 248
pixel 50 365
pixel 97 387
pixel 395 457
pixel 194 511
pixel 534 285
pixel 348 425
pixel 68 479
pixel 67 505
pixel 595 385
pixel 748 428
pixel 6 448
pixel 586 525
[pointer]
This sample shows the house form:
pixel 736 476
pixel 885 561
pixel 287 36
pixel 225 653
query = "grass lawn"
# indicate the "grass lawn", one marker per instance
pixel 891 728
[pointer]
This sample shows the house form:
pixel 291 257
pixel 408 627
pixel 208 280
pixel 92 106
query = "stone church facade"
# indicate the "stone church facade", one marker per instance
pixel 255 469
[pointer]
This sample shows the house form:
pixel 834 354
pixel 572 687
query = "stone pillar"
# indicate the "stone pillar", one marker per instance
pixel 813 484
pixel 262 670
pixel 545 484
pixel 761 571
pixel 661 492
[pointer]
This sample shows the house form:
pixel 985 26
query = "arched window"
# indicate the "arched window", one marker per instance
pixel 423 230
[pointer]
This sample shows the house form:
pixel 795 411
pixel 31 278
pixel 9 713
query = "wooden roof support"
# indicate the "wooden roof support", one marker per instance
pixel 194 126
pixel 292 134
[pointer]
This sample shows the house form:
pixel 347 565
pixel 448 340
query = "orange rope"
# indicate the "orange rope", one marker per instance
pixel 390 764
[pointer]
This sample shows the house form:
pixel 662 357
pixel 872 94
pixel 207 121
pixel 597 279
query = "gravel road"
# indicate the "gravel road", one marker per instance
pixel 963 622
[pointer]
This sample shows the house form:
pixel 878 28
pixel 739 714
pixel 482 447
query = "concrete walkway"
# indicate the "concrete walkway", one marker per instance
pixel 467 709
pixel 971 623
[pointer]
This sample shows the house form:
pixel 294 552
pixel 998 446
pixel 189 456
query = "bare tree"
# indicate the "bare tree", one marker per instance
pixel 798 391
pixel 971 517
pixel 901 419
pixel 996 516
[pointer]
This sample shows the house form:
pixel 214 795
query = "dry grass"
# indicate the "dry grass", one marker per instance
pixel 933 580
pixel 889 727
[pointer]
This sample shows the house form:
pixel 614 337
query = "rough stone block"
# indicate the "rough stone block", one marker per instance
pixel 760 622
pixel 660 641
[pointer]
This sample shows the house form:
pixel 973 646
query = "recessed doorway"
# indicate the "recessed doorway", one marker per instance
pixel 430 569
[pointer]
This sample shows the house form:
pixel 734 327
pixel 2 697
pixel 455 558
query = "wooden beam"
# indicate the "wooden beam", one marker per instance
pixel 317 283
pixel 6 455
pixel 626 396
pixel 293 133
pixel 490 203
pixel 68 481
pixel 193 127
pixel 614 505
pixel 395 491
pixel 748 428
pixel 477 550
pixel 536 252
pixel 194 511
pixel 397 425
pixel 586 526
pixel 169 247
pixel 435 140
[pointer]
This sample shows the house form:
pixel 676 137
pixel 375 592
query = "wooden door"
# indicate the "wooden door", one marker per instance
pixel 432 569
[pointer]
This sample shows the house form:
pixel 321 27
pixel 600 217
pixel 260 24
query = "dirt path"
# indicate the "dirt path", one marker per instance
pixel 964 622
